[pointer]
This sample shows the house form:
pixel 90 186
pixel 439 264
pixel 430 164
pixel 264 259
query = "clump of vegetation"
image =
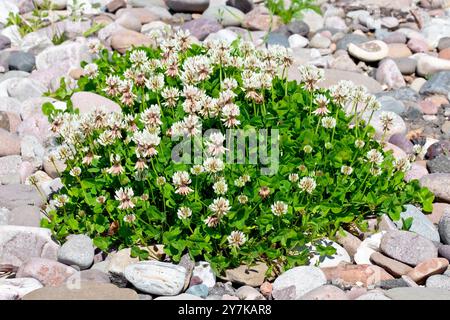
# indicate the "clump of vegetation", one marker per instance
pixel 294 11
pixel 318 166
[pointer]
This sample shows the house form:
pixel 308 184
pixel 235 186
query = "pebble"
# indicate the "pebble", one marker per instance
pixel 225 15
pixel 86 291
pixel 251 276
pixel 261 19
pixel 440 164
pixel 356 39
pixel 420 224
pixel 320 42
pixel 249 293
pixel 388 74
pixel 188 5
pixel 87 102
pixel 438 83
pixel 418 293
pixel 199 290
pixel 406 65
pixel 78 250
pixel 356 275
pixel 125 39
pixel 297 41
pixel 201 28
pixel 416 172
pixel 129 21
pixel 341 255
pixel 296 282
pixel 417 45
pixel 398 50
pixel 298 27
pixel 92 275
pixel 314 20
pixel 370 51
pixel 243 5
pixel 119 261
pixel 407 247
pixel 156 277
pixel 18 287
pixel 326 292
pixel 444 227
pixel 392 266
pixel 27 216
pixel 22 61
pixel 428 65
pixel 428 268
pixel 438 184
pixel 438 281
pixel 49 272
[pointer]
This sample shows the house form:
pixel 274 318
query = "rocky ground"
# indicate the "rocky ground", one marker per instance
pixel 400 50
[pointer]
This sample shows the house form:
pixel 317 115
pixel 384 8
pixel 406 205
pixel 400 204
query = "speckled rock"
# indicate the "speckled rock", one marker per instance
pixel 78 250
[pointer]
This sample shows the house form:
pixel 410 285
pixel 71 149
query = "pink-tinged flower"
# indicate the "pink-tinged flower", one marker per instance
pixel 116 167
pixel 125 198
pixel 181 180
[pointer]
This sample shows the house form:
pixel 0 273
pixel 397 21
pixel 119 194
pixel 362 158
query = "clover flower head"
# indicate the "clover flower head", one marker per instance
pixel 236 239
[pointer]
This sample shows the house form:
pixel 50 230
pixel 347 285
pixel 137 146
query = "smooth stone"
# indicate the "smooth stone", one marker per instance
pixel 401 141
pixel 356 39
pixel 10 169
pixel 319 41
pixel 115 5
pixel 367 247
pixel 183 296
pixel 49 272
pixel 5 42
pixel 298 27
pixel 416 172
pixel 22 61
pixel 10 143
pixel 119 261
pixel 27 216
pixel 251 276
pixel 86 291
pixel 438 184
pixel 390 284
pixel 326 292
pixel 156 277
pixel 125 39
pixel 26 88
pixel 225 34
pixel 65 56
pixel 249 293
pixel 296 282
pixel 392 266
pixel 92 275
pixel 444 54
pixel 398 50
pixel 204 271
pixel 34 43
pixel 225 15
pixel 434 30
pixel 370 51
pixel 440 164
pixel 420 224
pixel 187 263
pixel 418 45
pixel 87 102
pixel 373 295
pixel 418 293
pixel 428 268
pixel 261 19
pixel 389 22
pixel 434 148
pixel 439 209
pixel 335 22
pixel 188 5
pixel 274 38
pixel 438 83
pixel 314 20
pixel 199 290
pixel 129 21
pixel 444 227
pixel 243 5
pixel 201 28
pixel 403 94
pixel 386 224
pixel 356 275
pixel 407 247
pixel 78 250
pixel 297 41
pixel 438 281
pixel 16 195
pixel 394 37
pixel 428 65
pixel 417 84
pixel 145 15
pixel 349 242
pixel 406 65
pixel 389 75
pixel 18 287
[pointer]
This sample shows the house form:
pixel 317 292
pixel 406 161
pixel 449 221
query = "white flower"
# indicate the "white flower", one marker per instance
pixel 307 184
pixel 90 70
pixel 75 172
pixel 417 149
pixel 151 117
pixel 279 208
pixel 129 218
pixel 213 165
pixel 359 144
pixel 402 164
pixel 197 169
pixel 347 170
pixel 220 187
pixel 125 197
pixel 236 239
pixel 243 199
pixel 220 206
pixel 181 180
pixel 155 83
pixel 184 213
pixel 310 76
pixel 328 122
pixel 215 144
pixel 192 125
pixel 387 119
pixel 374 156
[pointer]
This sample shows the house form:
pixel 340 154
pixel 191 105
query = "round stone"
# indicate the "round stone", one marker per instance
pixel 296 282
pixel 78 250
